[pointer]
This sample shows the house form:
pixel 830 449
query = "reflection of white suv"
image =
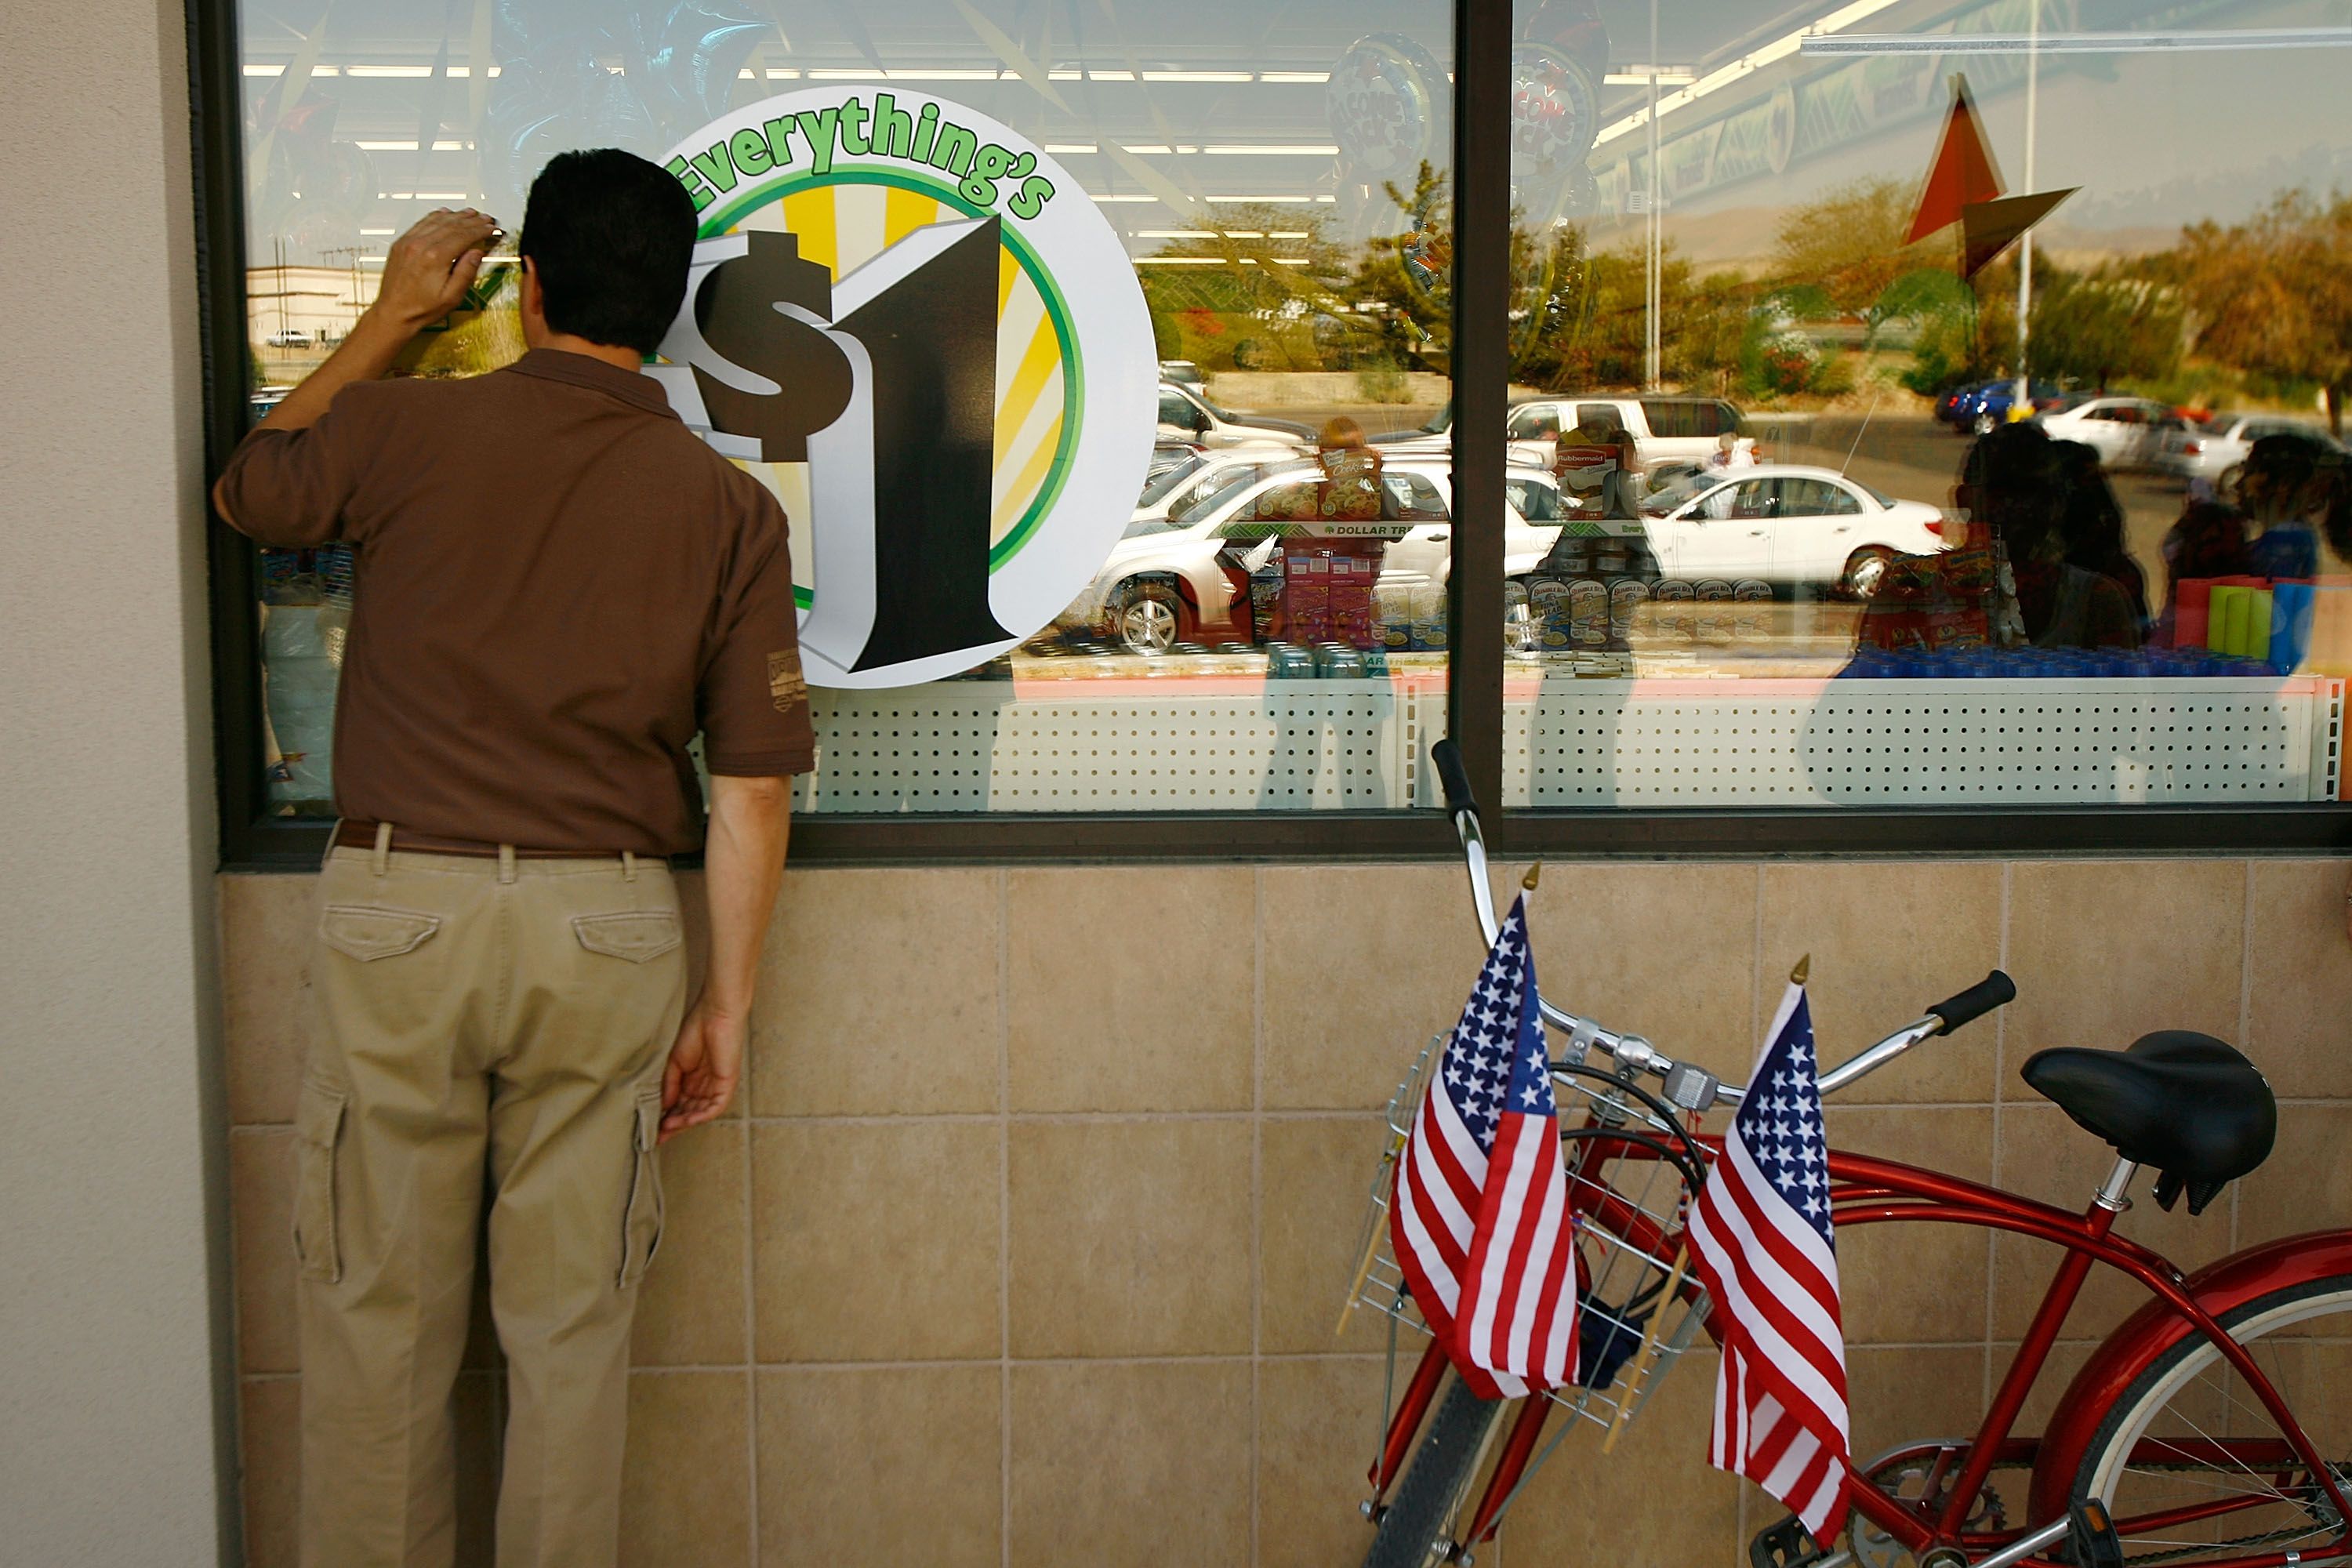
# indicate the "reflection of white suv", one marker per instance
pixel 1185 578
pixel 1187 415
pixel 1664 429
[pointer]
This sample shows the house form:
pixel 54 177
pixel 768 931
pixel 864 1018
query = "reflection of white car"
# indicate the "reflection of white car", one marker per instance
pixel 1185 578
pixel 2208 451
pixel 1180 487
pixel 2127 432
pixel 1787 524
pixel 1187 415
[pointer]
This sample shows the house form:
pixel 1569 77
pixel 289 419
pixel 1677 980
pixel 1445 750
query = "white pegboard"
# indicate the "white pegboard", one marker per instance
pixel 1907 742
pixel 1113 745
pixel 1243 745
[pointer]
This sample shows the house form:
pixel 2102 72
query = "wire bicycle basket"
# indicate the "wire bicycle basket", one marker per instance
pixel 1640 1306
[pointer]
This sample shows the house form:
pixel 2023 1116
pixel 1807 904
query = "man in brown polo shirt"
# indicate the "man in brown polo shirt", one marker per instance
pixel 558 587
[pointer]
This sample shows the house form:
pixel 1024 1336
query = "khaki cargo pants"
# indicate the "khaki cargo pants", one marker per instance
pixel 513 1014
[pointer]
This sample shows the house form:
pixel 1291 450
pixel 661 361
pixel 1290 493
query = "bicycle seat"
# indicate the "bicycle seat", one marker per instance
pixel 2183 1103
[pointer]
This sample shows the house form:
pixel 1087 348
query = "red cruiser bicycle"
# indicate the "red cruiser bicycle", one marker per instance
pixel 2214 1426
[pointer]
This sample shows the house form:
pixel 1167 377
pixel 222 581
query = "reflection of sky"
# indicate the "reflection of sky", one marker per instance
pixel 2154 140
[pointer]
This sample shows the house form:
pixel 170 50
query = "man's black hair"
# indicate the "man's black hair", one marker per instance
pixel 610 237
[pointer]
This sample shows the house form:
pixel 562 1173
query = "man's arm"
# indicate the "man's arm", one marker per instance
pixel 742 867
pixel 425 277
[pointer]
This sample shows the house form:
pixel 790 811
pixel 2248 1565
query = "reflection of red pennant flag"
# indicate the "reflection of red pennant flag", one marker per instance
pixel 1963 171
pixel 1988 228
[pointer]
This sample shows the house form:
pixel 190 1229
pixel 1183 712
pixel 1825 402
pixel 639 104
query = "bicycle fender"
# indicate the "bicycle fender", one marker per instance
pixel 2219 1287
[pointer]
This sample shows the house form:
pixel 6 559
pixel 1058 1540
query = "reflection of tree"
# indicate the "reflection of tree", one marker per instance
pixel 1411 274
pixel 2092 328
pixel 2276 292
pixel 1262 285
pixel 1849 245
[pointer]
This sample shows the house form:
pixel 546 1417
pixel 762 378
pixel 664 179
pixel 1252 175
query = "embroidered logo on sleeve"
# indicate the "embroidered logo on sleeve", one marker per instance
pixel 785 684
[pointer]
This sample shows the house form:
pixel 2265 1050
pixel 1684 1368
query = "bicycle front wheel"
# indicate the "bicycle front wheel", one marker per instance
pixel 2191 1465
pixel 1437 1479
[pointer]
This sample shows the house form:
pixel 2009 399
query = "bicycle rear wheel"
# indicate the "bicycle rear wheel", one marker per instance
pixel 1435 1481
pixel 2194 1469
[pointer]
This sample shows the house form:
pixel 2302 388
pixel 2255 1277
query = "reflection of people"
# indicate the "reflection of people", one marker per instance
pixel 2284 493
pixel 2008 583
pixel 2208 539
pixel 1596 463
pixel 2292 492
pixel 2093 527
pixel 2015 479
pixel 1732 450
pixel 557 585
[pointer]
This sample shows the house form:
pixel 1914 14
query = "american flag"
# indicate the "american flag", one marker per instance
pixel 1479 1217
pixel 1764 1247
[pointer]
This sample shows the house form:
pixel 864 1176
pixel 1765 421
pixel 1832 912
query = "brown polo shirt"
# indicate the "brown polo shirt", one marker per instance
pixel 557 586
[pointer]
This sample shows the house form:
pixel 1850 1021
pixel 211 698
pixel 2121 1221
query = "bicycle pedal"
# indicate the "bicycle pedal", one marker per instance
pixel 1783 1545
pixel 2091 1538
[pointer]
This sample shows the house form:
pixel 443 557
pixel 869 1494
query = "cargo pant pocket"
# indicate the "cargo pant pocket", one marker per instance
pixel 317 1135
pixel 641 1221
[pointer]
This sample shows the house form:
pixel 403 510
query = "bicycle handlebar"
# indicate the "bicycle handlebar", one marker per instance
pixel 1692 1088
pixel 1453 776
pixel 1995 990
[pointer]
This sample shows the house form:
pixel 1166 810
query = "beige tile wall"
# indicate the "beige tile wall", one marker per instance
pixel 1027 1246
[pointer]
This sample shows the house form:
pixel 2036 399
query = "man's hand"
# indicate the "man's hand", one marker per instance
pixel 425 278
pixel 704 1065
pixel 430 267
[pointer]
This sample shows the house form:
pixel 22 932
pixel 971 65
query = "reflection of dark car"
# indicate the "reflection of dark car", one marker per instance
pixel 1985 408
pixel 1951 407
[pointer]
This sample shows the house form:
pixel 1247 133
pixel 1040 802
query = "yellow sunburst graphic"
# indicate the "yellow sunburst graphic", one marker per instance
pixel 844 224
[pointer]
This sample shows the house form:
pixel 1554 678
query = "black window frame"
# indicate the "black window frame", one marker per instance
pixel 253 838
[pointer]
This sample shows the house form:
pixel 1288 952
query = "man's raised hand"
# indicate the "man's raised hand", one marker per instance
pixel 430 267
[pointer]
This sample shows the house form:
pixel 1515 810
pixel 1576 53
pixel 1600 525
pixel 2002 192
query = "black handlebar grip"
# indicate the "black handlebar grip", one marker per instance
pixel 1453 776
pixel 1995 990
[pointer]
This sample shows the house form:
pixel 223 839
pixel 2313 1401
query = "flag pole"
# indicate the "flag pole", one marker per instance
pixel 1649 1347
pixel 1372 1248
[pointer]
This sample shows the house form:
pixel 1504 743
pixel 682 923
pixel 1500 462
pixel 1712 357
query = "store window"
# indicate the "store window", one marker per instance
pixel 1035 228
pixel 1908 406
pixel 1955 413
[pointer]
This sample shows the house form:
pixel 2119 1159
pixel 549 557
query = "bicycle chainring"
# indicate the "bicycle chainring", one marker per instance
pixel 1873 1548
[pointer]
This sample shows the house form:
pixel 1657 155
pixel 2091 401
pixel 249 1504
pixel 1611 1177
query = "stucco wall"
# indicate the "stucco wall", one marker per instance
pixel 105 957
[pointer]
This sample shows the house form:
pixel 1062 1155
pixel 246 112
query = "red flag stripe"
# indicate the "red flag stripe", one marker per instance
pixel 1767 1336
pixel 1532 1332
pixel 1792 1304
pixel 1503 1242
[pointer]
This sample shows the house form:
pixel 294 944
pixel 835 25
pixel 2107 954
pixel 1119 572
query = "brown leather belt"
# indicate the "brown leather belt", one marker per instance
pixel 362 836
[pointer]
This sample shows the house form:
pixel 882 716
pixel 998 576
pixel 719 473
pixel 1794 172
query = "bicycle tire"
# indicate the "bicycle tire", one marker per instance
pixel 2104 1458
pixel 1434 1479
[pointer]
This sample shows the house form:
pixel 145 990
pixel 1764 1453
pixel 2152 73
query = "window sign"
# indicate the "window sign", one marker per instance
pixel 919 330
